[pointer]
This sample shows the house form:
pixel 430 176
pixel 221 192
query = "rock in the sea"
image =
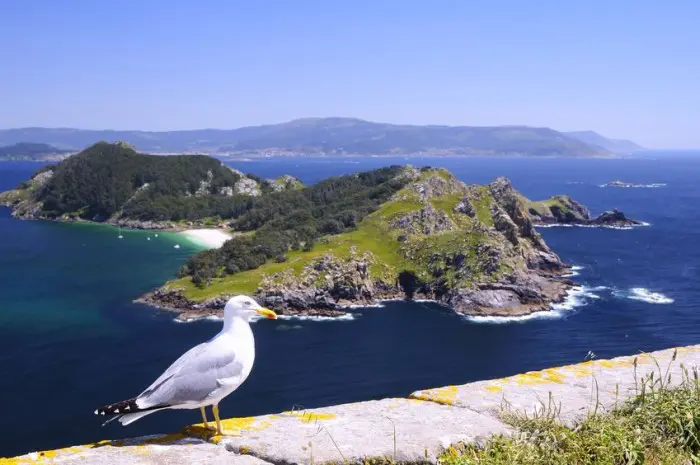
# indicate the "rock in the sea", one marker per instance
pixel 564 210
pixel 614 218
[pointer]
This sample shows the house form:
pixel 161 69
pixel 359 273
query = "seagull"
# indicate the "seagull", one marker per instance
pixel 203 375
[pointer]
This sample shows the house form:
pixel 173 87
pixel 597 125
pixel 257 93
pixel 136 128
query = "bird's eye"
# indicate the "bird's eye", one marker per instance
pixel 247 303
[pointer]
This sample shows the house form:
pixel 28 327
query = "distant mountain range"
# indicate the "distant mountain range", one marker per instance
pixel 613 145
pixel 32 151
pixel 335 136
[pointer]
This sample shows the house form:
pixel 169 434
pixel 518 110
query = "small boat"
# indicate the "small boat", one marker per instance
pixel 177 246
pixel 148 238
pixel 120 234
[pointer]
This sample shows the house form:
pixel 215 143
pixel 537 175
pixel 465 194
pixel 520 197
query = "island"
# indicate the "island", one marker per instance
pixel 628 185
pixel 562 210
pixel 114 184
pixel 29 151
pixel 397 232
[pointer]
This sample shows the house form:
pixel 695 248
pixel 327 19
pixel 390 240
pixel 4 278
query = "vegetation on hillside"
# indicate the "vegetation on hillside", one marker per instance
pixel 661 425
pixel 102 180
pixel 294 220
pixel 384 217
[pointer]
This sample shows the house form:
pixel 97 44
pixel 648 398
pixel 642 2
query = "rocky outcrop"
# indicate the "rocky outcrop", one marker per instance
pixel 512 202
pixel 465 206
pixel 560 209
pixel 427 220
pixel 516 295
pixel 24 200
pixel 431 187
pixel 510 213
pixel 614 219
pixel 285 182
pixel 247 186
pixel 205 185
pixel 325 283
pixel 563 210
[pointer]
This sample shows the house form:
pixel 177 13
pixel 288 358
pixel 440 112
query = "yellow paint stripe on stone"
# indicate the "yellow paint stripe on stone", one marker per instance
pixel 445 395
pixel 311 417
pixel 230 425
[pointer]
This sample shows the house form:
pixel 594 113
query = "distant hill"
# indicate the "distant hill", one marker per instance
pixel 329 136
pixel 30 151
pixel 614 145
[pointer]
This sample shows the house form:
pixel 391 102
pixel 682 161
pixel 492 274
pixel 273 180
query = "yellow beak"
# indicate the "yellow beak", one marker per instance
pixel 267 313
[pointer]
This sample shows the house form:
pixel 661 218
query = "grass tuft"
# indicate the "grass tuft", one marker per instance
pixel 660 425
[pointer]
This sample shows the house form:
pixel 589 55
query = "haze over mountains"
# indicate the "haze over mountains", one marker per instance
pixel 613 145
pixel 339 136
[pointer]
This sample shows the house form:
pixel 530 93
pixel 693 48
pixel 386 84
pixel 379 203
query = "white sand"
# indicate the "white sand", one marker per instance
pixel 211 238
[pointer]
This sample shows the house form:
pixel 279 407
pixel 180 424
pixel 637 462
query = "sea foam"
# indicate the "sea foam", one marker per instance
pixel 574 272
pixel 344 317
pixel 592 226
pixel 654 185
pixel 645 295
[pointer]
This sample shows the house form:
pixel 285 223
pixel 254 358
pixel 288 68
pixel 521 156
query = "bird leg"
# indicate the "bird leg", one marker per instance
pixel 204 416
pixel 219 430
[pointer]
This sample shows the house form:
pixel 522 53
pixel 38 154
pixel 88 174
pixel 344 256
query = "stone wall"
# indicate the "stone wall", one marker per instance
pixel 416 429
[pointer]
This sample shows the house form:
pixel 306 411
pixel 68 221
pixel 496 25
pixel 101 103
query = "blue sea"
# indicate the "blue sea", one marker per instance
pixel 71 339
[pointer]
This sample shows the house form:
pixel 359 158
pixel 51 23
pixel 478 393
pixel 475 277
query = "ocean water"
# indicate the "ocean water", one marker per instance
pixel 71 339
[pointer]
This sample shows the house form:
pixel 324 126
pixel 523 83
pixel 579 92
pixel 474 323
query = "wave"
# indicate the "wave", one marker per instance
pixel 577 296
pixel 374 305
pixel 344 317
pixel 645 295
pixel 194 320
pixel 573 272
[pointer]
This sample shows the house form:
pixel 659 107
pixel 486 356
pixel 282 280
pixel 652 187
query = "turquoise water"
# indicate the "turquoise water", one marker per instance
pixel 75 268
pixel 71 339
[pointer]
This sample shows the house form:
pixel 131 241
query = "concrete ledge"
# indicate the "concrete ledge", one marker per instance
pixel 574 389
pixel 414 430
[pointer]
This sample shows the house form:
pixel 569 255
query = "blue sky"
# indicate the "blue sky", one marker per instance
pixel 625 68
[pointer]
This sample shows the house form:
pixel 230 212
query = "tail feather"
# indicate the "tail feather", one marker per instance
pixel 132 417
pixel 127 411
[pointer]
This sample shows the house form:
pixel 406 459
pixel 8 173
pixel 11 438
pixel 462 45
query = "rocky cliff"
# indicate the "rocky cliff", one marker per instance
pixel 472 248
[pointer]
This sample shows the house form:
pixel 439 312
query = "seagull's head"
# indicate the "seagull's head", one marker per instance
pixel 245 307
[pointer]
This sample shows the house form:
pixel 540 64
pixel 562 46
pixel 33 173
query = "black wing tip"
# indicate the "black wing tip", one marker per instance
pixel 119 408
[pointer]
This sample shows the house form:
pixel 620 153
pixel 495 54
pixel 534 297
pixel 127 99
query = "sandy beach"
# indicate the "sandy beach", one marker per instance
pixel 211 238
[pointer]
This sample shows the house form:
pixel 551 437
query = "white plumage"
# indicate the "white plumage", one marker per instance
pixel 203 375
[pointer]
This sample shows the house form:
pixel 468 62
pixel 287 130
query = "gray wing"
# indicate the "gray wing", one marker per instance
pixel 191 378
